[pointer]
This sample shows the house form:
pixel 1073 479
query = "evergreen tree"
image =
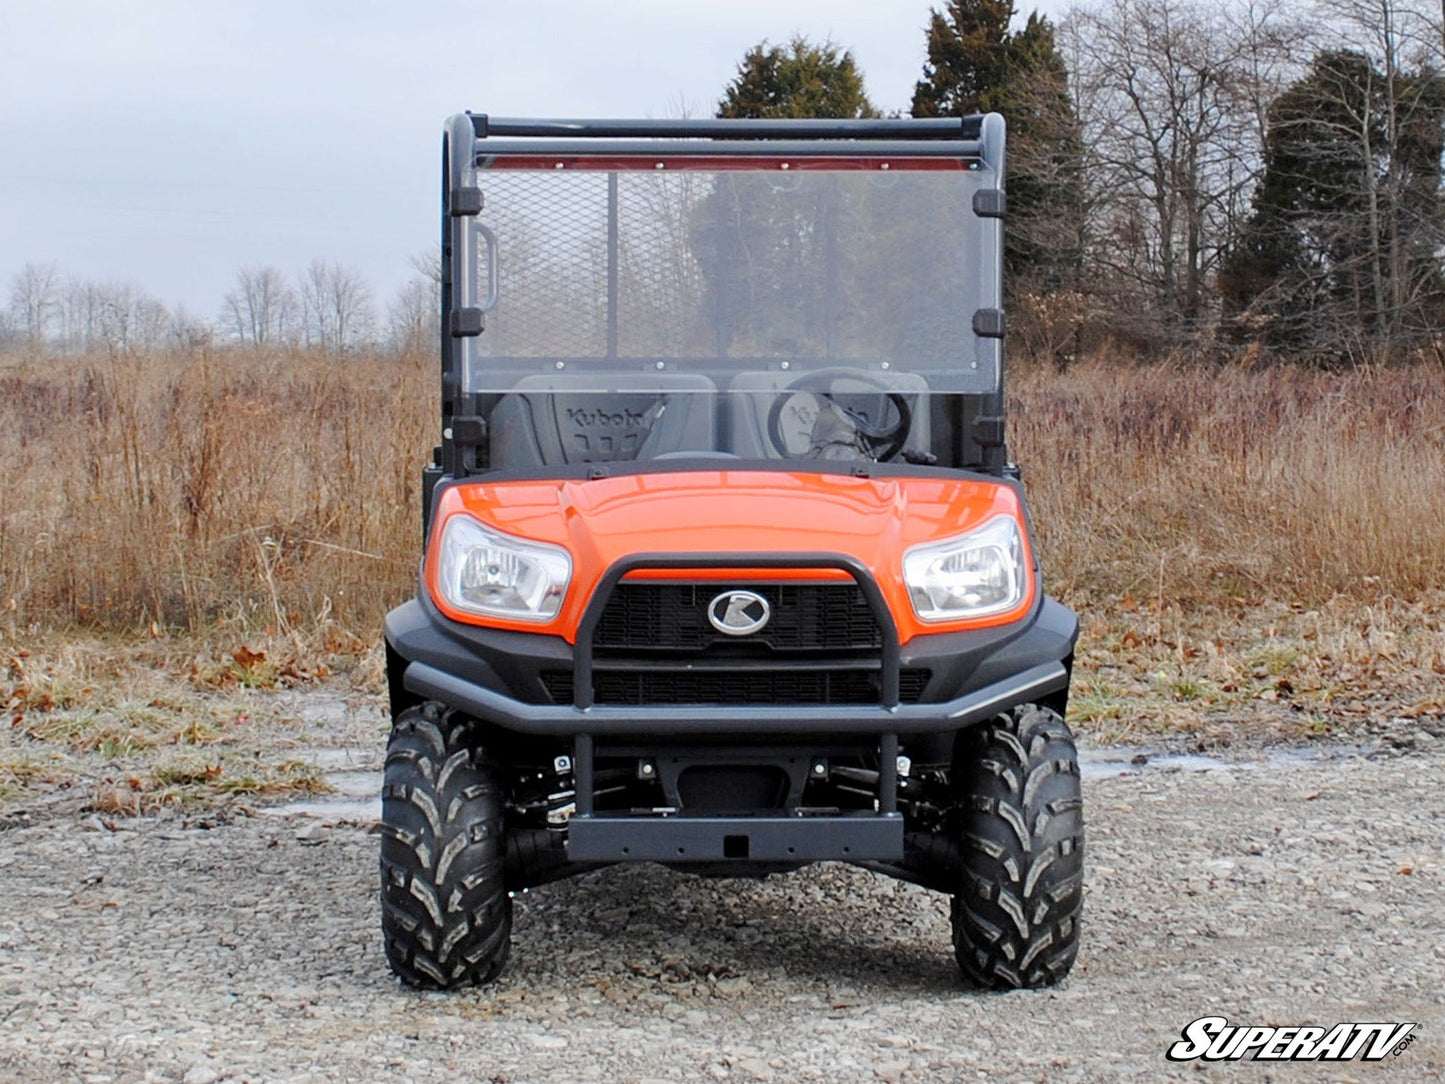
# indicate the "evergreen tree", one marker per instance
pixel 1343 242
pixel 770 257
pixel 968 59
pixel 976 64
pixel 797 80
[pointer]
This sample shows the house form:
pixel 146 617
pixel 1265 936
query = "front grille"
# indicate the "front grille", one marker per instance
pixel 558 684
pixel 655 616
pixel 785 687
pixel 911 682
pixel 642 687
pixel 654 644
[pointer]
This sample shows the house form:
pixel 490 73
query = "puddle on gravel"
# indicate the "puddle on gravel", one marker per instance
pixel 341 760
pixel 356 796
pixel 355 787
pixel 1117 760
pixel 1131 760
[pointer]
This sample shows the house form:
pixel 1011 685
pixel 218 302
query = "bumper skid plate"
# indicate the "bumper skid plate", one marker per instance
pixel 848 838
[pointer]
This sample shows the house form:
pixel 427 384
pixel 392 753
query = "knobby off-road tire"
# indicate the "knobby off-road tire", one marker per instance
pixel 445 912
pixel 1020 821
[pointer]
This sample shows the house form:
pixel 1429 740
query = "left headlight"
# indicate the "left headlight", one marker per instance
pixel 971 575
pixel 482 571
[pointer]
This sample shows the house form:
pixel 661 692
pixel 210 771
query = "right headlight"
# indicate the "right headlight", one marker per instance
pixel 483 571
pixel 970 575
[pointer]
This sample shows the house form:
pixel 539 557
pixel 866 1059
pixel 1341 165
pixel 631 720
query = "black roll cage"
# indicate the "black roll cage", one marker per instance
pixel 470 139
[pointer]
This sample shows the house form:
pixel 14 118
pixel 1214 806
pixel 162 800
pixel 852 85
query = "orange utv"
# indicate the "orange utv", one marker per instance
pixel 726 564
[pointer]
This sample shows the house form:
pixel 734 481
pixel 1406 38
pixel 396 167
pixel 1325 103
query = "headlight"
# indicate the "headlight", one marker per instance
pixel 972 575
pixel 482 571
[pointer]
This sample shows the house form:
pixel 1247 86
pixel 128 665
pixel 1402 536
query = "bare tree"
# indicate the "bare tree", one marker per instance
pixel 412 316
pixel 189 332
pixel 1341 257
pixel 1172 95
pixel 336 306
pixel 81 315
pixel 428 265
pixel 129 318
pixel 1394 37
pixel 261 308
pixel 34 303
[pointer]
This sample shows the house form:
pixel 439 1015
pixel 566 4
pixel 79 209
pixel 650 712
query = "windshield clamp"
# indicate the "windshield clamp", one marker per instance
pixel 466 322
pixel 990 203
pixel 988 431
pixel 469 431
pixel 988 323
pixel 465 201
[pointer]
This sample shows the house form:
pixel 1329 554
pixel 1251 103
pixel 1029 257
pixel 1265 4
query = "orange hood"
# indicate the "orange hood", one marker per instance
pixel 731 512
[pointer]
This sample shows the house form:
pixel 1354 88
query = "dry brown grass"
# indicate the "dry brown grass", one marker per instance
pixel 280 492
pixel 1202 485
pixel 267 491
pixel 1246 548
pixel 1250 551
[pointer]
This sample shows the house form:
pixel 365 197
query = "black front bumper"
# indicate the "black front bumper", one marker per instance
pixel 497 677
pixel 1038 682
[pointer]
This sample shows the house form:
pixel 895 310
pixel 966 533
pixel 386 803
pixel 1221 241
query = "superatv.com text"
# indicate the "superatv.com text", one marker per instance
pixel 1213 1038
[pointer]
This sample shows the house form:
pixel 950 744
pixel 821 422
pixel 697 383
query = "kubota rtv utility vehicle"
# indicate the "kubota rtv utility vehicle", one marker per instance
pixel 726 566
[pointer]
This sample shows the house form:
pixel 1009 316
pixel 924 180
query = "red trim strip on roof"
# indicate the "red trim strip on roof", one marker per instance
pixel 593 163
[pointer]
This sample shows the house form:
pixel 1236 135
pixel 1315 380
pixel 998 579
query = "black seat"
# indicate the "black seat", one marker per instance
pixel 602 418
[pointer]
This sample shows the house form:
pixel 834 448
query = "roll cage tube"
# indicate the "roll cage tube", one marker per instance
pixel 471 141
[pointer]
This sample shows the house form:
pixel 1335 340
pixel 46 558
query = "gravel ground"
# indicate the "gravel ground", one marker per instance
pixel 246 947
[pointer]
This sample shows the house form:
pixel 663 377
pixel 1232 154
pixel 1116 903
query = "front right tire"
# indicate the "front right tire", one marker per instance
pixel 1019 824
pixel 446 916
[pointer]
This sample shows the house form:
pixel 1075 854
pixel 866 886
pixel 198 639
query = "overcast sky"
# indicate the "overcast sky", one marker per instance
pixel 169 142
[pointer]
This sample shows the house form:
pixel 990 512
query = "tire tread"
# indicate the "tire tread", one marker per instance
pixel 1020 825
pixel 446 915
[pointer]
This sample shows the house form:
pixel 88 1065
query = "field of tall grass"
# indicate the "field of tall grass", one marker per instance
pixel 272 491
pixel 1235 539
pixel 1202 484
pixel 281 490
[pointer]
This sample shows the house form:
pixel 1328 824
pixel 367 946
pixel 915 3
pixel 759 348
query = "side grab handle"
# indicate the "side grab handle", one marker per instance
pixel 489 248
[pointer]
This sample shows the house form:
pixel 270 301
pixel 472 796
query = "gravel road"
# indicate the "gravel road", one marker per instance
pixel 245 946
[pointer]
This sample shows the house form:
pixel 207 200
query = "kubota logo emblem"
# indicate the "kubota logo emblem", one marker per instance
pixel 739 613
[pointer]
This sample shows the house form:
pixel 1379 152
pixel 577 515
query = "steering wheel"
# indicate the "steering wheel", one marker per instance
pixel 877 442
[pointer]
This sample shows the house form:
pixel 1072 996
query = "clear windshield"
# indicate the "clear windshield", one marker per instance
pixel 789 309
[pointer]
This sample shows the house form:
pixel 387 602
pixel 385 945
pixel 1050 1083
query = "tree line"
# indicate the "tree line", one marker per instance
pixel 328 307
pixel 1208 177
pixel 1213 177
